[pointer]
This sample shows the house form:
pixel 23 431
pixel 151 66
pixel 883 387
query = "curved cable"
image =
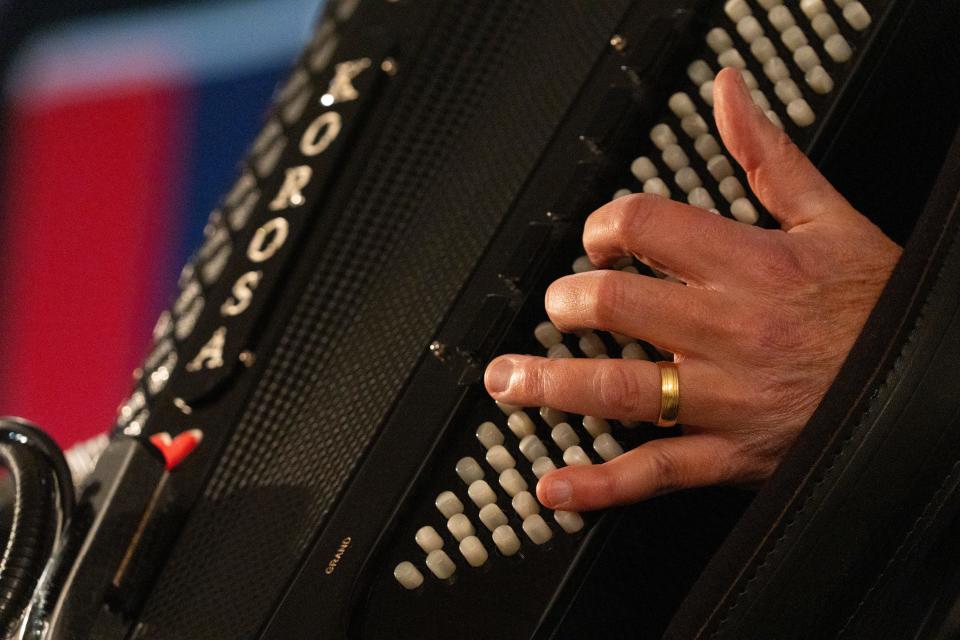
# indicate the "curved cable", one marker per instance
pixel 41 502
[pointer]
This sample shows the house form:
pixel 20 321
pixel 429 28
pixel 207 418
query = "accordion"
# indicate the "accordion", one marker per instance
pixel 422 176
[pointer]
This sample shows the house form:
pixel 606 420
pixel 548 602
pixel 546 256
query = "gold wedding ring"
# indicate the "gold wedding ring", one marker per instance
pixel 669 394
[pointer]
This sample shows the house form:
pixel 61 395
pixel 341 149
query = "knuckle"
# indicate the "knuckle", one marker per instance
pixel 531 382
pixel 780 159
pixel 606 297
pixel 665 472
pixel 619 391
pixel 778 264
pixel 632 219
pixel 777 333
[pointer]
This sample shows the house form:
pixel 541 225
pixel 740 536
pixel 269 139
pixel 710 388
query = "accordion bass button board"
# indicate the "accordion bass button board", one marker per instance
pixel 423 176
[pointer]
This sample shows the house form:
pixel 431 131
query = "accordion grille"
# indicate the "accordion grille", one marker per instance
pixel 452 157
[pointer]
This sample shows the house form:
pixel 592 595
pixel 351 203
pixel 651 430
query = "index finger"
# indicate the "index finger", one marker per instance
pixel 693 243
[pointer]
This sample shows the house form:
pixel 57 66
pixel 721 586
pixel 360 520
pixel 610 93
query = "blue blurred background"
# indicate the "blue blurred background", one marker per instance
pixel 121 125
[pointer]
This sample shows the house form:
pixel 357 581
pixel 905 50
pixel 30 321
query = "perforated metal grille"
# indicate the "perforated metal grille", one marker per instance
pixel 450 163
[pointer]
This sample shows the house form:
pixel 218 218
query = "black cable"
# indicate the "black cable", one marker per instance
pixel 42 501
pixel 19 431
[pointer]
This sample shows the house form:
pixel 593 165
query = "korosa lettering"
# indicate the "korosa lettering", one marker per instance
pixel 272 235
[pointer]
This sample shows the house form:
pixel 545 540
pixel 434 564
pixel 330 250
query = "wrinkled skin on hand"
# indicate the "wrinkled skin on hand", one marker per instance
pixel 760 322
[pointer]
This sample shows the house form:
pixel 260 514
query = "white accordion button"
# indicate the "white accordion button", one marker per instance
pixel 634 351
pixel 489 435
pixel 819 80
pixel 569 521
pixel 460 526
pixel 737 10
pixel 595 426
pixel 731 189
pixel 812 8
pixel 838 48
pixel 787 91
pixel 760 99
pixel 532 448
pixel 781 18
pixel 687 179
pixel 481 493
pixel 428 539
pixel 564 435
pixel 543 466
pixel 552 416
pixel 707 146
pixel 506 540
pixel 469 470
pixel 591 345
pixel 408 576
pixel 776 69
pixel 512 482
pixel 856 16
pixel 794 38
pixel 473 551
pixel 662 136
pixel 547 334
pixel 675 158
pixel 607 447
pixel 440 564
pixel 824 25
pixel 525 505
pixel 576 457
pixel 694 126
pixel 769 4
pixel 774 118
pixel 507 409
pixel 763 49
pixel 732 58
pixel 681 105
pixel 719 167
pixel 449 504
pixel 621 193
pixel 520 424
pixel 537 529
pixel 582 265
pixel 699 72
pixel 500 459
pixel 801 113
pixel 806 58
pixel 744 211
pixel 719 40
pixel 643 169
pixel 700 197
pixel 750 80
pixel 706 92
pixel 749 29
pixel 561 350
pixel 492 517
pixel 657 187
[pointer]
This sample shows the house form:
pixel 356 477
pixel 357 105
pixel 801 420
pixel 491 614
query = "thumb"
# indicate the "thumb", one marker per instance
pixel 782 177
pixel 657 467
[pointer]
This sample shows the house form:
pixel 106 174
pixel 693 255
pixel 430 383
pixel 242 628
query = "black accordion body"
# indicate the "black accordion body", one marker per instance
pixel 423 175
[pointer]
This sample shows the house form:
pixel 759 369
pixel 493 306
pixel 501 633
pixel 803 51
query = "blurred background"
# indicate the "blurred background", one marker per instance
pixel 121 125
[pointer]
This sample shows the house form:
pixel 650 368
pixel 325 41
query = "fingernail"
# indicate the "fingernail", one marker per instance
pixel 497 377
pixel 559 492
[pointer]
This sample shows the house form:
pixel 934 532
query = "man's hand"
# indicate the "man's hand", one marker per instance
pixel 760 328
